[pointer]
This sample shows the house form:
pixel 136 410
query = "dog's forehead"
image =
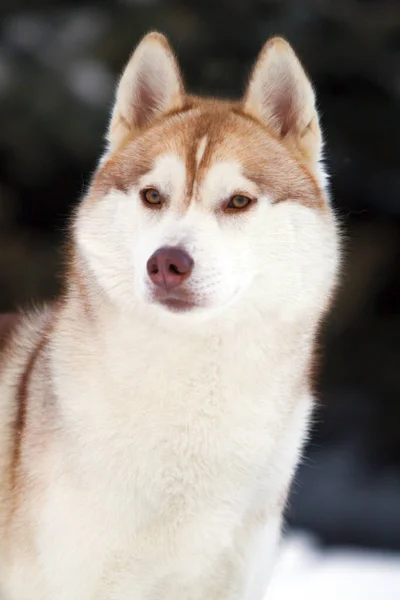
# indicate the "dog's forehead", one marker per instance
pixel 225 151
pixel 214 147
pixel 209 146
pixel 198 158
pixel 204 137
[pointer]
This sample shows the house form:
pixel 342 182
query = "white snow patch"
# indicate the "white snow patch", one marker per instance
pixel 306 572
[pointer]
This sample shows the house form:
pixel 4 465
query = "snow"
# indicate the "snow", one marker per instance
pixel 306 572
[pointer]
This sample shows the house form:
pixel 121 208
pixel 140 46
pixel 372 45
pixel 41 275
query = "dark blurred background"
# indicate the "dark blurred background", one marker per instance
pixel 58 64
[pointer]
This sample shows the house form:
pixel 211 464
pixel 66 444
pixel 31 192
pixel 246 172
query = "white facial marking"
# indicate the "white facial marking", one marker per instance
pixel 223 180
pixel 200 150
pixel 168 175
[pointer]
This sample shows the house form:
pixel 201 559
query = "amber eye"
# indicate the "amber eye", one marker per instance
pixel 152 197
pixel 238 202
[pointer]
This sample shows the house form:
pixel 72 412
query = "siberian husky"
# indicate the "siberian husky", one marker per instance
pixel 151 418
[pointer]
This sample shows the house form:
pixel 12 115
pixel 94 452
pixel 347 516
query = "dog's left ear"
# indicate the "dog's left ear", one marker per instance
pixel 280 95
pixel 150 86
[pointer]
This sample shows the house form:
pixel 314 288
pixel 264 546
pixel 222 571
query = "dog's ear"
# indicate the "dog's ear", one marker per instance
pixel 280 95
pixel 150 85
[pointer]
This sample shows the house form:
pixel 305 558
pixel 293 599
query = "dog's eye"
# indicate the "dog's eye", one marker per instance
pixel 238 202
pixel 152 197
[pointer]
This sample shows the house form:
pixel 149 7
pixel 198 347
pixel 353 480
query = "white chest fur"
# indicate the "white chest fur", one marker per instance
pixel 176 462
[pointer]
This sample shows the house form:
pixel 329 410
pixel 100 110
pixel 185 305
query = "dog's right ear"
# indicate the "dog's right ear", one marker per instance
pixel 150 86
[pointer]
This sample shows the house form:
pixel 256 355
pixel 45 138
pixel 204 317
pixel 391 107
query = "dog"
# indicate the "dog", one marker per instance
pixel 151 418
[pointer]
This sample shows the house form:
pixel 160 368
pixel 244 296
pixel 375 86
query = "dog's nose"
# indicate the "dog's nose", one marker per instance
pixel 168 267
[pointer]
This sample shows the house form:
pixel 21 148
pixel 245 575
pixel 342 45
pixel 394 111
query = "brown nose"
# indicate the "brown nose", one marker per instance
pixel 168 267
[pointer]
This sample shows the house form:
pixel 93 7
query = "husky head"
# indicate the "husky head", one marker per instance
pixel 202 207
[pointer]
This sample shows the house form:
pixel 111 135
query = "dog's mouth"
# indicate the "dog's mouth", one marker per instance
pixel 177 305
pixel 173 301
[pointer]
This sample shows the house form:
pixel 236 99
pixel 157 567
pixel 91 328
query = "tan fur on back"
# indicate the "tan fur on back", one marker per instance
pixel 146 453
